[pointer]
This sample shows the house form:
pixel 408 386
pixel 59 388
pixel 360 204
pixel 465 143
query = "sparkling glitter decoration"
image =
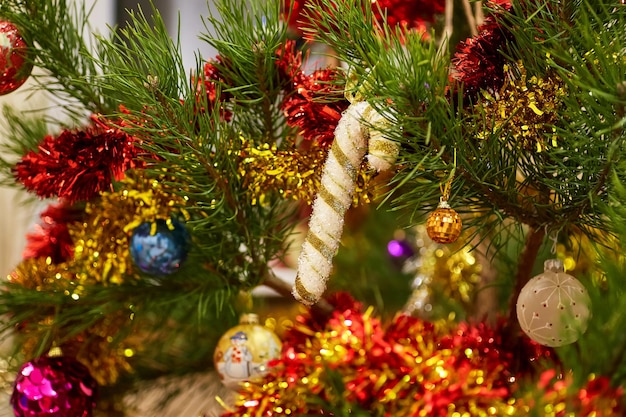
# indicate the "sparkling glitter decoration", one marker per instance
pixel 14 67
pixel 553 307
pixel 244 352
pixel 53 386
pixel 159 248
pixel 527 108
pixel 101 250
pixel 444 225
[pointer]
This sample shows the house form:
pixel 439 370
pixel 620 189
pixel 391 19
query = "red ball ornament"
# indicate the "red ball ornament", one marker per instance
pixel 444 225
pixel 53 386
pixel 14 66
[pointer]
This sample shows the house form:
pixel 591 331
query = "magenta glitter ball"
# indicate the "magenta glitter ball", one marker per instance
pixel 55 386
pixel 14 67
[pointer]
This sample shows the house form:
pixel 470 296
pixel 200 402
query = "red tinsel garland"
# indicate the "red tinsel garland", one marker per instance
pixel 311 108
pixel 212 84
pixel 315 102
pixel 77 164
pixel 289 62
pixel 51 238
pixel 349 360
pixel 478 63
pixel 411 14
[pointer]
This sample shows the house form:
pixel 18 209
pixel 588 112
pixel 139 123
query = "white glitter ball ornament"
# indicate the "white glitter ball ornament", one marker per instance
pixel 553 308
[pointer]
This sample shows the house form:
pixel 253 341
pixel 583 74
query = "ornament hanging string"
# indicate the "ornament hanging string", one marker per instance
pixel 446 188
pixel 444 225
pixel 555 239
pixel 360 134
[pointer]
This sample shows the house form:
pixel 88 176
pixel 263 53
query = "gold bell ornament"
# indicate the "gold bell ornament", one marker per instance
pixel 243 352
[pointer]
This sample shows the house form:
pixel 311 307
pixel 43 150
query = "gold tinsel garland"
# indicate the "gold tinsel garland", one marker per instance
pixel 293 173
pixel 99 349
pixel 93 347
pixel 101 251
pixel 41 274
pixel 525 108
pixel 451 271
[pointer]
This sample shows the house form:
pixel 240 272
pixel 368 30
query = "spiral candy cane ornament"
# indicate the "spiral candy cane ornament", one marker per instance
pixel 335 197
pixel 382 152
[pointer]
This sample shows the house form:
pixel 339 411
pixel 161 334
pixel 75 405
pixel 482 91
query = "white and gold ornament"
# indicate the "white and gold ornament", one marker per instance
pixel 553 308
pixel 360 127
pixel 243 352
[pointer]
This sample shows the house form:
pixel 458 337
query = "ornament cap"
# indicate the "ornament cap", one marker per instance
pixel 553 265
pixel 55 351
pixel 443 203
pixel 249 318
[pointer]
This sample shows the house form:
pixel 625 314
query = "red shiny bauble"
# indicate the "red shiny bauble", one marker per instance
pixel 14 65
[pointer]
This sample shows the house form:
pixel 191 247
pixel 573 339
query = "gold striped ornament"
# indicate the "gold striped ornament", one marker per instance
pixel 360 127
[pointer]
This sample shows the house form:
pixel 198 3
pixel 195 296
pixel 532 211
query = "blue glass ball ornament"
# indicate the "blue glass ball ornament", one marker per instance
pixel 162 250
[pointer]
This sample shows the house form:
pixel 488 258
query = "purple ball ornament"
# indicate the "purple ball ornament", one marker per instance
pixel 54 386
pixel 400 249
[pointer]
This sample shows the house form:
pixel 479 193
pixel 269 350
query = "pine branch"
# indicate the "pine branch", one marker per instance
pixel 558 187
pixel 142 68
pixel 247 61
pixel 526 263
pixel 58 33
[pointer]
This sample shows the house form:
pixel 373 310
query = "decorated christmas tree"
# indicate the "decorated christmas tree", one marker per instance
pixel 443 179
